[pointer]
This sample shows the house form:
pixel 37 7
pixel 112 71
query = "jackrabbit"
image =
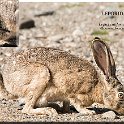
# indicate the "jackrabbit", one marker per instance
pixel 42 75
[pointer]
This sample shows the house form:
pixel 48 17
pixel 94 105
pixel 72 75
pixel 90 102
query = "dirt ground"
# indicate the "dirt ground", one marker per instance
pixel 70 27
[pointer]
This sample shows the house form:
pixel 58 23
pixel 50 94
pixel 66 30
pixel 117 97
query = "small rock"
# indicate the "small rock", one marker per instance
pixel 56 38
pixel 77 32
pixel 70 45
pixel 3 101
pixel 68 39
pixel 1 59
pixel 40 35
pixel 27 24
pixel 8 54
pixel 46 13
pixel 109 115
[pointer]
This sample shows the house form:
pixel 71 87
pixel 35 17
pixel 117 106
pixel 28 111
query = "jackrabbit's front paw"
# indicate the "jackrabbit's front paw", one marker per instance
pixel 51 112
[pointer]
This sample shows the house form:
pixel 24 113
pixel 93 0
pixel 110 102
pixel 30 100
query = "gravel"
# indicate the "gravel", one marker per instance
pixel 70 27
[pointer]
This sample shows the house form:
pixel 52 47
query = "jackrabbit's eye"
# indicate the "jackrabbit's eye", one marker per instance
pixel 121 95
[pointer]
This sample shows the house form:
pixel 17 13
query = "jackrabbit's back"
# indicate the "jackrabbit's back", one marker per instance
pixel 55 60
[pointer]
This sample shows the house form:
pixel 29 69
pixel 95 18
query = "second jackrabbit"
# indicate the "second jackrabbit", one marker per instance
pixel 42 75
pixel 9 14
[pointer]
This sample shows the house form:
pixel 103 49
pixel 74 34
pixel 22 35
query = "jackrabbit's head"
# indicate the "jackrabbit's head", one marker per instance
pixel 113 95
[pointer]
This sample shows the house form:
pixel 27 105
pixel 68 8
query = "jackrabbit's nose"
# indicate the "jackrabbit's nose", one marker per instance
pixel 121 95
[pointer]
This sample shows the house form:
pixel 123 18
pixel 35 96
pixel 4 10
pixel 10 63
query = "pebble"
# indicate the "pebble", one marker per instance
pixel 109 115
pixel 56 38
pixel 77 32
pixel 68 39
pixel 27 24
pixel 45 13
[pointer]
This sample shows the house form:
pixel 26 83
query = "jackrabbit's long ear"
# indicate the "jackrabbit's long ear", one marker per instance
pixel 103 57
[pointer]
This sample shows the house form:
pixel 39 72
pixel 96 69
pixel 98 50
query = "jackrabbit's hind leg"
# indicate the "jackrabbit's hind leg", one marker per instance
pixel 36 88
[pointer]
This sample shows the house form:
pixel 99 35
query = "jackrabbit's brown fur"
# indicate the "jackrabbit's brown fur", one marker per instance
pixel 42 75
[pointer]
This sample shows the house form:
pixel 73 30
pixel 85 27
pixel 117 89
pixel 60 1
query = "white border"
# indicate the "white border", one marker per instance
pixel 71 0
